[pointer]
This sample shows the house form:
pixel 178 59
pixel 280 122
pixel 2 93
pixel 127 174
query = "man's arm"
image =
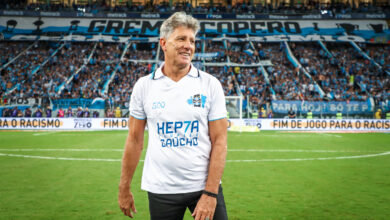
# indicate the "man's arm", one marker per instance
pixel 218 136
pixel 131 155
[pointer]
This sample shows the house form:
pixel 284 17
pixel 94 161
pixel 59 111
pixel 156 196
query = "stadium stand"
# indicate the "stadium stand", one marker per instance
pixel 261 71
pixel 215 7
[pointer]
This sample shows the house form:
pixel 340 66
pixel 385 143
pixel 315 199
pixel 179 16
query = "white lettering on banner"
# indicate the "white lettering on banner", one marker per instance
pixel 311 17
pixel 150 15
pixel 375 15
pixel 215 16
pixel 245 16
pixel 13 12
pixel 81 14
pixel 344 16
pixel 116 15
pixel 278 17
pixel 56 14
pixel 22 101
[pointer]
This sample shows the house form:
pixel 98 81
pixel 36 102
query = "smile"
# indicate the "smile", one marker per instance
pixel 185 54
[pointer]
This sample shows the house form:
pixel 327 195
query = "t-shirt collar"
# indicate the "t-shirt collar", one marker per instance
pixel 194 72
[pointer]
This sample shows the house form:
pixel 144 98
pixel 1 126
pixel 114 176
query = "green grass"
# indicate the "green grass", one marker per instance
pixel 359 188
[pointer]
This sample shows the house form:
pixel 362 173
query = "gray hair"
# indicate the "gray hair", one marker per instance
pixel 176 20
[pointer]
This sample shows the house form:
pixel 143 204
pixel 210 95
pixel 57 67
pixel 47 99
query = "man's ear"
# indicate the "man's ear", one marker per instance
pixel 163 43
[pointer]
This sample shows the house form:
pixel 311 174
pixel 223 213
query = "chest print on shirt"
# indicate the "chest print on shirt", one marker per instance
pixel 198 100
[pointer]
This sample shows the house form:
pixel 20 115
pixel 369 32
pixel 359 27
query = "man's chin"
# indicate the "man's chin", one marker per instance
pixel 183 65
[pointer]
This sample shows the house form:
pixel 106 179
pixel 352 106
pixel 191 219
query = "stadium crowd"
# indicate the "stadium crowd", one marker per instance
pixel 343 74
pixel 337 84
pixel 289 83
pixel 331 8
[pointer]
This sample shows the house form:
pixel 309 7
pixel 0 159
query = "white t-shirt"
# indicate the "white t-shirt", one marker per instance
pixel 177 115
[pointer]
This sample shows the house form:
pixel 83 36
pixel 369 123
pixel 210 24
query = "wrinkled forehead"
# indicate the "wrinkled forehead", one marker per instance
pixel 182 31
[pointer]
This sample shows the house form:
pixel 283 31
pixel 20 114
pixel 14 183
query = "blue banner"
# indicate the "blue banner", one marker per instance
pixel 96 14
pixel 208 55
pixel 280 29
pixel 97 103
pixel 352 107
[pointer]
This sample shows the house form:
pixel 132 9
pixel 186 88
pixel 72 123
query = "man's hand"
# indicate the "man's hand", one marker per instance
pixel 126 202
pixel 205 208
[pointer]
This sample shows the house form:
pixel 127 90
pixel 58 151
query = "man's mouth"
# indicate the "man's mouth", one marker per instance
pixel 185 54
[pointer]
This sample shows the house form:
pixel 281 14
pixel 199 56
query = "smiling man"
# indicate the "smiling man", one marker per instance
pixel 185 111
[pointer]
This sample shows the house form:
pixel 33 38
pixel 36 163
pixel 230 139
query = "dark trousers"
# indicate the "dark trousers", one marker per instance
pixel 173 206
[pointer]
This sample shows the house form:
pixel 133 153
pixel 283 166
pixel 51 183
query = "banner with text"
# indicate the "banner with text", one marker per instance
pixel 90 29
pixel 352 107
pixel 369 125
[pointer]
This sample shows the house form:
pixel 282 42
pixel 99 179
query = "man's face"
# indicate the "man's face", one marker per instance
pixel 179 47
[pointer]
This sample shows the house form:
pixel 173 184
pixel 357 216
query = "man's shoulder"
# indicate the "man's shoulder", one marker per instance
pixel 144 79
pixel 207 76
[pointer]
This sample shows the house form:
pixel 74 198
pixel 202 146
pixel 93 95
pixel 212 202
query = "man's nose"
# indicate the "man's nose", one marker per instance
pixel 187 44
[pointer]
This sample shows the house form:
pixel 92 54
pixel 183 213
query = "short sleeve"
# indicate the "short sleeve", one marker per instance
pixel 217 102
pixel 136 107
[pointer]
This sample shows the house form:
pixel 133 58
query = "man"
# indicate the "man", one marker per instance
pixel 14 113
pixel 79 113
pixel 86 113
pixel 38 113
pixel 185 111
pixel 291 114
pixel 95 114
pixel 48 112
pixel 28 113
pixel 69 113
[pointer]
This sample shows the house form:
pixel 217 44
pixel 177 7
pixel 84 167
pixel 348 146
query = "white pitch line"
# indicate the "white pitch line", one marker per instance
pixel 330 135
pixel 308 159
pixel 61 158
pixel 46 133
pixel 67 149
pixel 299 151
pixel 262 160
pixel 230 150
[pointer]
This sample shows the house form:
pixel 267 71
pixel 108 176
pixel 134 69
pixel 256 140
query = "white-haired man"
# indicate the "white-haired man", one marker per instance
pixel 186 115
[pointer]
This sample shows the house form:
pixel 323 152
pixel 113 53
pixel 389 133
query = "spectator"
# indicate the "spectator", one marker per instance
pixel 14 113
pixel 38 113
pixel 86 113
pixel 48 112
pixel 79 113
pixel 95 114
pixel 291 114
pixel 118 112
pixel 69 113
pixel 27 113
pixel 378 114
pixel 60 113
pixel 20 113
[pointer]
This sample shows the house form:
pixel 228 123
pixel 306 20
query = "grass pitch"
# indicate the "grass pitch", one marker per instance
pixel 269 175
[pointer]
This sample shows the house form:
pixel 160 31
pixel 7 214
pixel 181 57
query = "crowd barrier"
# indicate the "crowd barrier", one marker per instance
pixel 369 125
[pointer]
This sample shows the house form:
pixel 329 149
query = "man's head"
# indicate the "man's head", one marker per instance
pixel 177 39
pixel 176 20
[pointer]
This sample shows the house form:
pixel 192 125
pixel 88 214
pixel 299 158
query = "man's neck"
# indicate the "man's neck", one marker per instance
pixel 174 72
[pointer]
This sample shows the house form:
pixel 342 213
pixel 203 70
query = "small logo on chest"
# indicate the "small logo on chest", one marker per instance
pixel 197 100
